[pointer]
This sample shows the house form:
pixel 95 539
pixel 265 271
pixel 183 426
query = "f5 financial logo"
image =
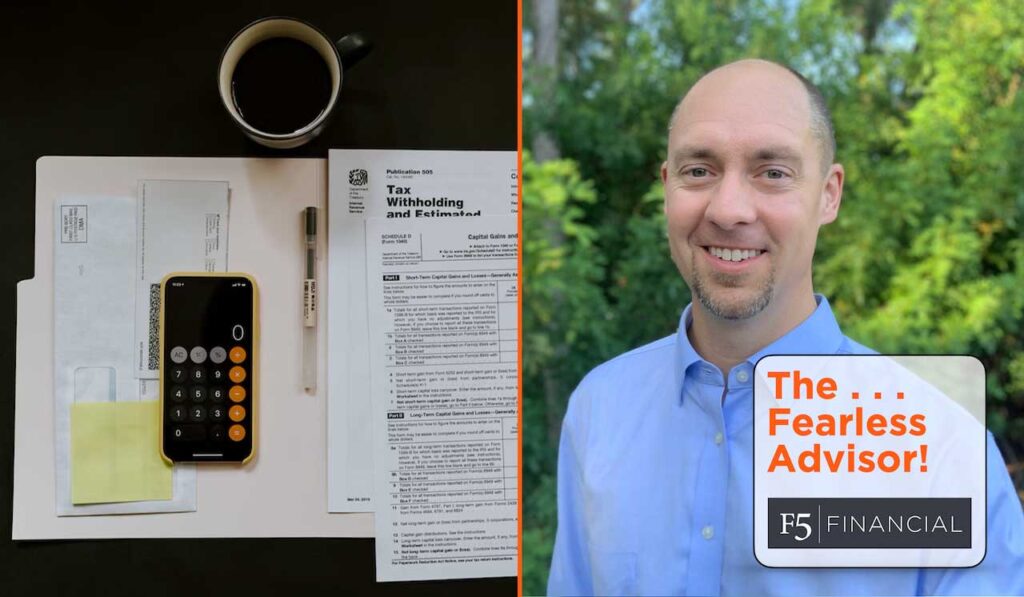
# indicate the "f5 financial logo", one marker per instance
pixel 787 523
pixel 869 523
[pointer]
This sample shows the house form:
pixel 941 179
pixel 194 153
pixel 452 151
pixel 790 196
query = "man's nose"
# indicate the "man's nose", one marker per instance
pixel 731 202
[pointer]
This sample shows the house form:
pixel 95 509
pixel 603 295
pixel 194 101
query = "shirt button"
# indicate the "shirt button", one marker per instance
pixel 742 376
pixel 719 438
pixel 708 532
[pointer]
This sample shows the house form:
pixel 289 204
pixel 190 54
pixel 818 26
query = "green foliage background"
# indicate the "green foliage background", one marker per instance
pixel 927 255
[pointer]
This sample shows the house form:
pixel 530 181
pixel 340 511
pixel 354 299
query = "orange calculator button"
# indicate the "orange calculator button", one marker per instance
pixel 237 413
pixel 237 354
pixel 236 433
pixel 236 393
pixel 237 374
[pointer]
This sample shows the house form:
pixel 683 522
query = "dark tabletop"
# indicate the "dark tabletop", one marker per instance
pixel 86 79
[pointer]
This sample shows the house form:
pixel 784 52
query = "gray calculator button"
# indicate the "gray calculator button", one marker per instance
pixel 218 354
pixel 178 374
pixel 178 413
pixel 197 414
pixel 189 433
pixel 198 354
pixel 179 354
pixel 178 393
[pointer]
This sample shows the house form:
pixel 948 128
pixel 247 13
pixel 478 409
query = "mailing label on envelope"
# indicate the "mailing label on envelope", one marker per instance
pixel 182 226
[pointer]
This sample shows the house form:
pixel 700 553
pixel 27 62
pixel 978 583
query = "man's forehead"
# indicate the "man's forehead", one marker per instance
pixel 719 139
pixel 745 95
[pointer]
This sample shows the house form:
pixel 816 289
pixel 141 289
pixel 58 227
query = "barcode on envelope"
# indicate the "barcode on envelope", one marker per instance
pixel 153 354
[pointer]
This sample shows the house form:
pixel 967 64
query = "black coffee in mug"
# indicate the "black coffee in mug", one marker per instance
pixel 279 79
pixel 281 85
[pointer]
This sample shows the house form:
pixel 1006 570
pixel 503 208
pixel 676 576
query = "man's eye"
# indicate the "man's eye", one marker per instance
pixel 775 174
pixel 696 172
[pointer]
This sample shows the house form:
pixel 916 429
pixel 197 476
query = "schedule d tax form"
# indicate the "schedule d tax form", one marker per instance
pixel 401 185
pixel 443 324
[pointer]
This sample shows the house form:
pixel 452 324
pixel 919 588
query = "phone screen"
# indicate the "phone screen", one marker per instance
pixel 207 370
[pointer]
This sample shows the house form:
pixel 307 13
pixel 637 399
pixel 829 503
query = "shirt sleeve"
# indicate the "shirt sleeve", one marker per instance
pixel 1002 570
pixel 570 562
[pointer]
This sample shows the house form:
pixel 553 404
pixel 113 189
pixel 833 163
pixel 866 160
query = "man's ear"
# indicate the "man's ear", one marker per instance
pixel 664 179
pixel 831 193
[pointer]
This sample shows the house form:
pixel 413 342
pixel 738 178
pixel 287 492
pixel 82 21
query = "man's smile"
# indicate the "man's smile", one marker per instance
pixel 732 259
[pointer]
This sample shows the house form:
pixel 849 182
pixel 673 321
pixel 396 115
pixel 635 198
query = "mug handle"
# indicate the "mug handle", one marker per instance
pixel 352 48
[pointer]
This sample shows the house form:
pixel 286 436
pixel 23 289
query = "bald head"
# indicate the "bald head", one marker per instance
pixel 760 85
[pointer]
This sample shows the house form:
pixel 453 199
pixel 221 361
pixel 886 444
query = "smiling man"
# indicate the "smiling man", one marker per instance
pixel 748 182
pixel 655 461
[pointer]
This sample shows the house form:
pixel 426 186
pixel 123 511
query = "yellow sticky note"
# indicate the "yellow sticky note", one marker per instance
pixel 115 455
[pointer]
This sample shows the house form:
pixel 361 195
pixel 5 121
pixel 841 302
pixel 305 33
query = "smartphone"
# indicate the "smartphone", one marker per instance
pixel 209 344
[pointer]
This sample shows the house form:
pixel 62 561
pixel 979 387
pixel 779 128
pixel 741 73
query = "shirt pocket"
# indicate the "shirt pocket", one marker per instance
pixel 613 572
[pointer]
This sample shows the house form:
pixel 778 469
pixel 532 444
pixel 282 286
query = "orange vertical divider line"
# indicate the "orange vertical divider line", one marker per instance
pixel 519 326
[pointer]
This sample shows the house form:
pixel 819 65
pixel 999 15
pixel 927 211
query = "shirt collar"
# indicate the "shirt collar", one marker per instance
pixel 818 334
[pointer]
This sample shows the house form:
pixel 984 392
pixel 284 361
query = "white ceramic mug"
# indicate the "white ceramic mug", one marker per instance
pixel 338 56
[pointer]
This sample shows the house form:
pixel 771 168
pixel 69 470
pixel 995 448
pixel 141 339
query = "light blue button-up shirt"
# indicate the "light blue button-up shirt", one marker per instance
pixel 655 482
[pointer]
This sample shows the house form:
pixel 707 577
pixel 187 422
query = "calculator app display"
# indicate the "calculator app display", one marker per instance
pixel 207 368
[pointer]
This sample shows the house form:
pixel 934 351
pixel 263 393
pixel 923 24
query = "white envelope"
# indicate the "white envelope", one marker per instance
pixel 181 225
pixel 94 326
